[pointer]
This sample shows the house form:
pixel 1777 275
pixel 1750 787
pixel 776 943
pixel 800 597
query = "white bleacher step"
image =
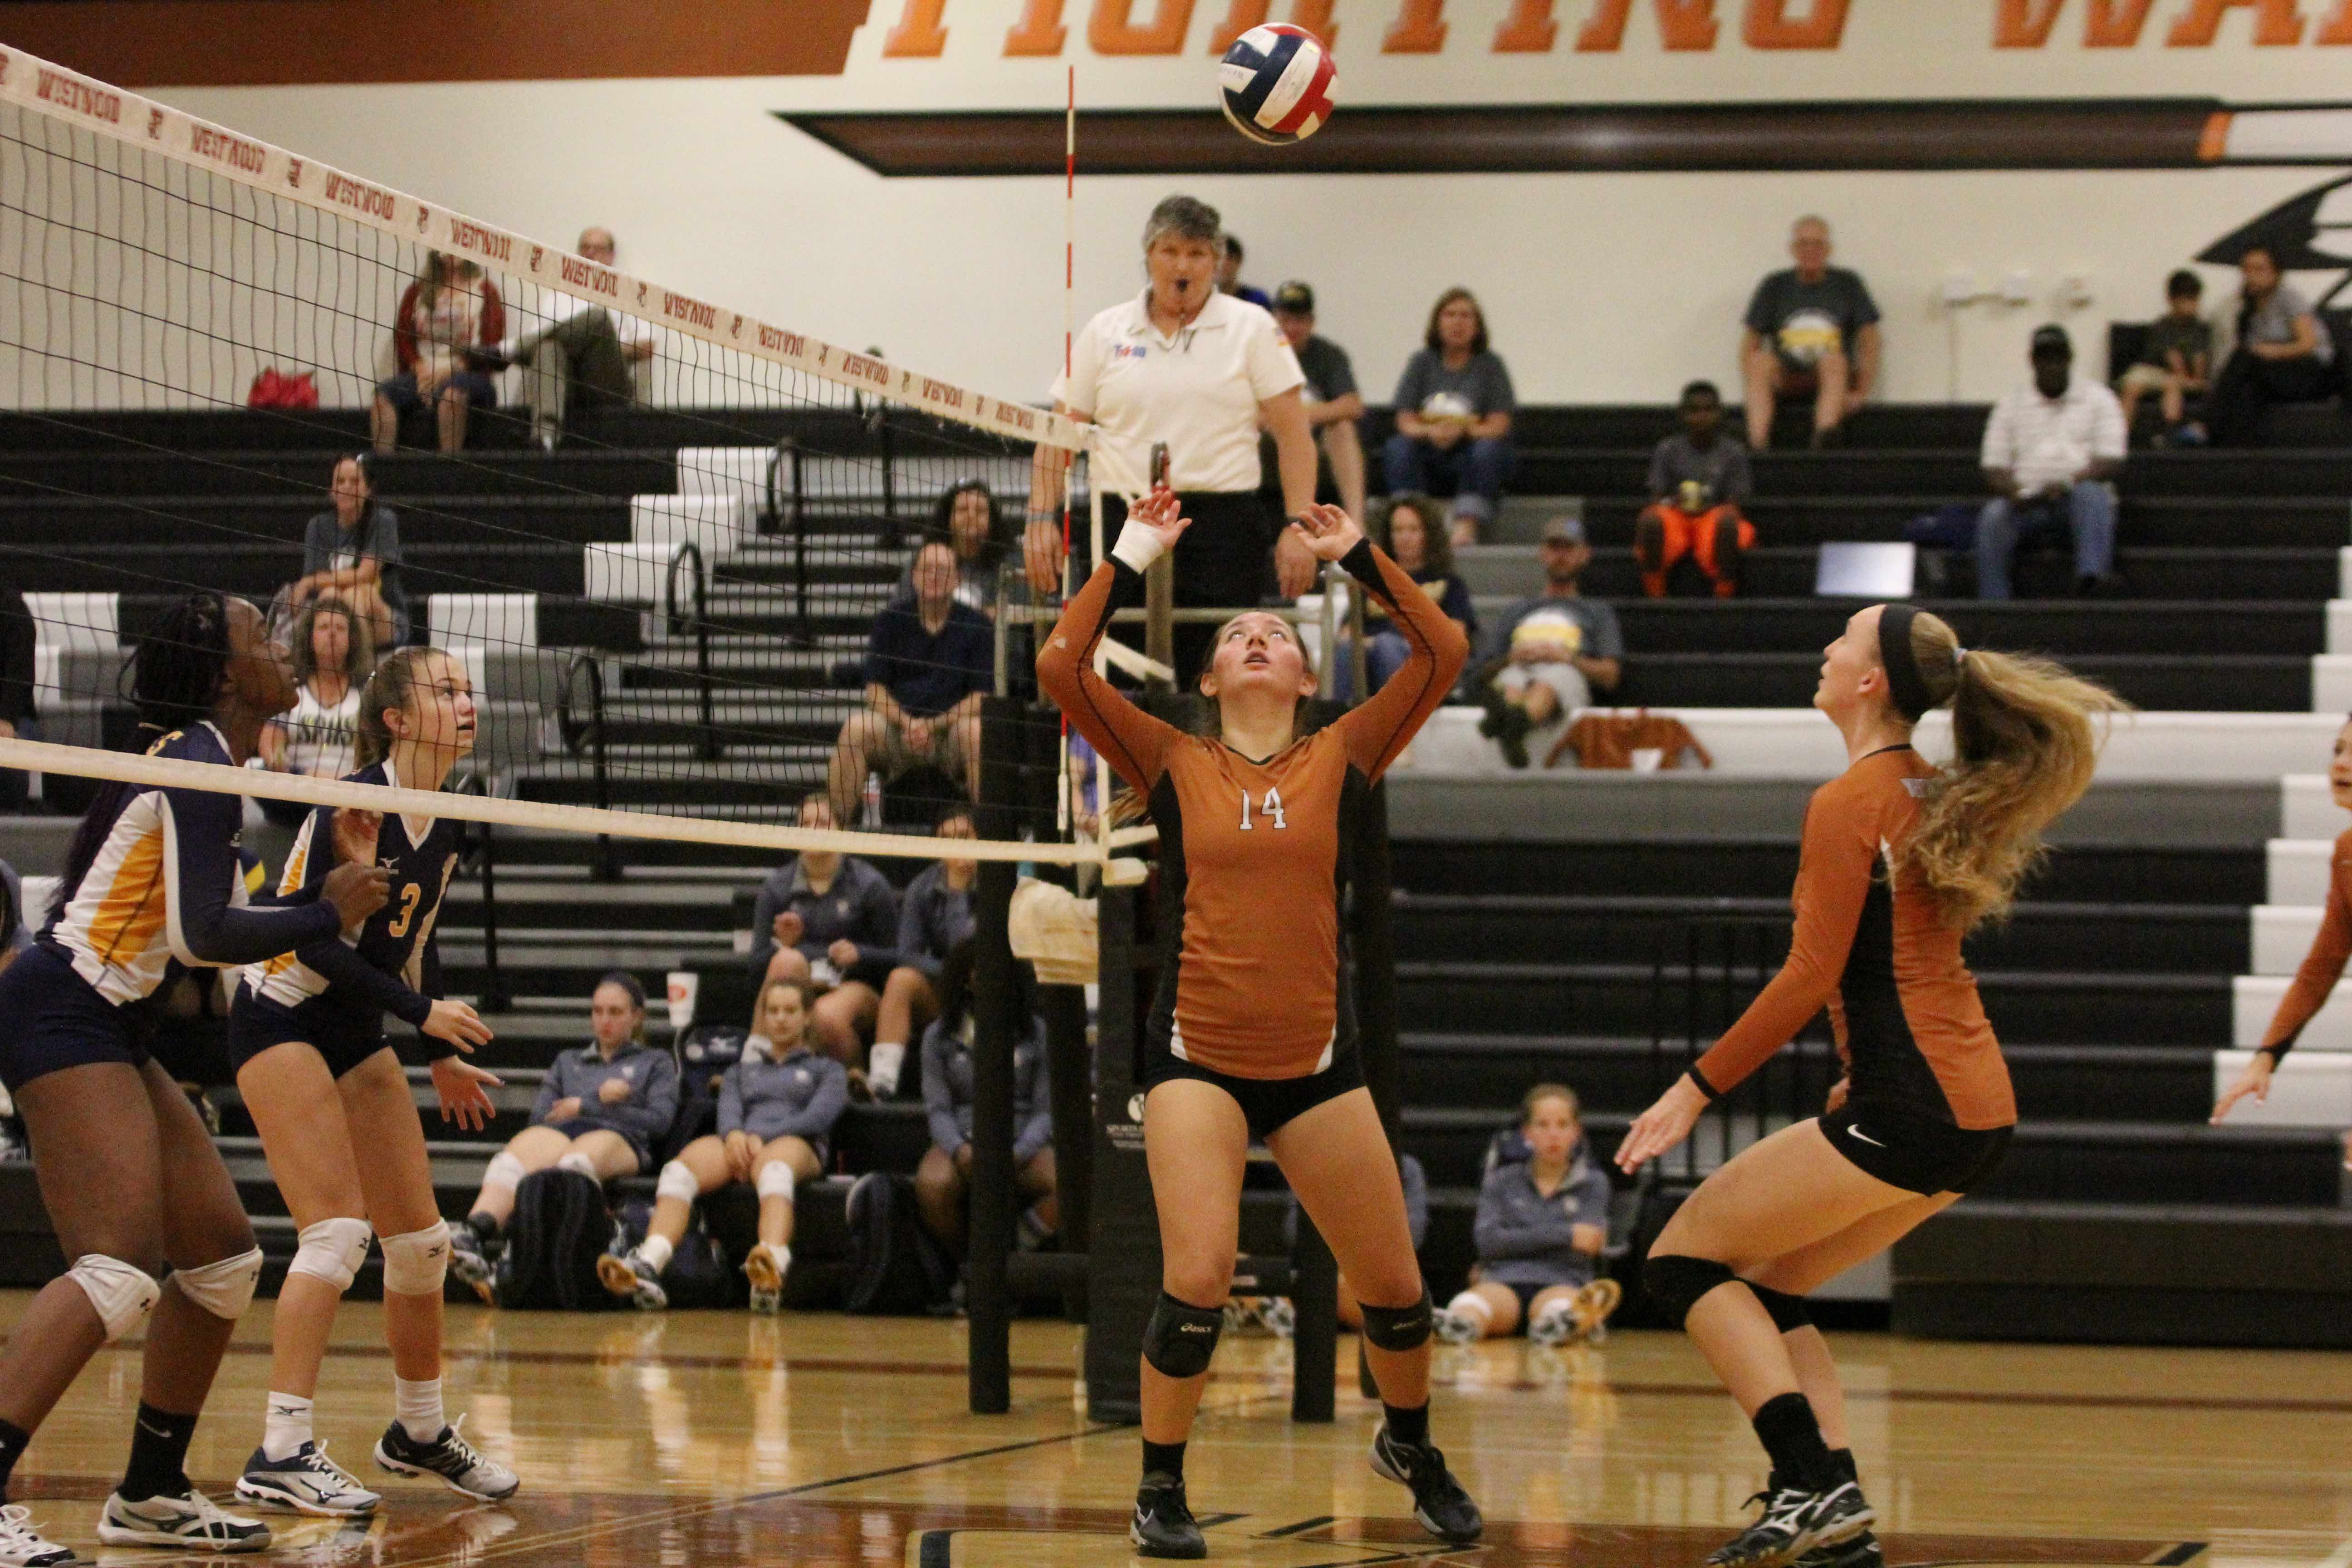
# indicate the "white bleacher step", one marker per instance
pixel 2307 808
pixel 2340 621
pixel 494 620
pixel 715 524
pixel 2331 681
pixel 2343 582
pixel 2296 871
pixel 2254 997
pixel 739 473
pixel 1798 743
pixel 2282 935
pixel 2310 1089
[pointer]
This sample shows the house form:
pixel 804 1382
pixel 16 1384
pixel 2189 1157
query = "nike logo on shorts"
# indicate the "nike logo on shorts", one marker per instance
pixel 1858 1133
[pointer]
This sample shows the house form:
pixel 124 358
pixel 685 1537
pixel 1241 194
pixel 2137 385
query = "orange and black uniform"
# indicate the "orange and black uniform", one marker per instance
pixel 2323 966
pixel 1928 1106
pixel 1254 852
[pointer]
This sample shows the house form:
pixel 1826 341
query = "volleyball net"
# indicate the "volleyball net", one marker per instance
pixel 676 547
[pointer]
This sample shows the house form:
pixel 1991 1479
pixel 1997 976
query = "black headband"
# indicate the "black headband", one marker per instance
pixel 1903 682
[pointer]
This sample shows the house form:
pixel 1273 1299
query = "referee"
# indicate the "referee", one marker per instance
pixel 1203 371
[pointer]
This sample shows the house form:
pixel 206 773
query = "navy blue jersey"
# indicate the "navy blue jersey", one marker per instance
pixel 349 983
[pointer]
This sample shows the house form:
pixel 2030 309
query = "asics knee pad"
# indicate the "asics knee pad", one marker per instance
pixel 226 1289
pixel 676 1181
pixel 1787 1311
pixel 333 1250
pixel 416 1262
pixel 775 1180
pixel 505 1172
pixel 1398 1328
pixel 576 1161
pixel 1181 1337
pixel 1675 1283
pixel 121 1295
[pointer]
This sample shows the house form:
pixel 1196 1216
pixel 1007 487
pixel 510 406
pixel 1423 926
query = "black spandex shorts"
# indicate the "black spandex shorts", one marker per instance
pixel 56 1019
pixel 256 1024
pixel 1267 1103
pixel 1908 1149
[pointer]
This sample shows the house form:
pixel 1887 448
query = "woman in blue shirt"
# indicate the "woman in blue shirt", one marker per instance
pixel 1542 1222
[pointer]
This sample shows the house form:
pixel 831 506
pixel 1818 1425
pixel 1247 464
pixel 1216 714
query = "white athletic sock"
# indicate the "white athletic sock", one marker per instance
pixel 656 1250
pixel 287 1426
pixel 418 1407
pixel 883 1064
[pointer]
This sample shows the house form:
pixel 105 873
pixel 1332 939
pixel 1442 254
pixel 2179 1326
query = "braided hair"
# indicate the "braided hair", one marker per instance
pixel 174 679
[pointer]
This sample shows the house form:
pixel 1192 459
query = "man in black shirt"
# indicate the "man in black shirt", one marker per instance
pixel 1810 330
pixel 928 662
pixel 1333 404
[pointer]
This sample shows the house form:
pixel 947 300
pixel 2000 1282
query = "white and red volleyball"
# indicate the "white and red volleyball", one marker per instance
pixel 1276 83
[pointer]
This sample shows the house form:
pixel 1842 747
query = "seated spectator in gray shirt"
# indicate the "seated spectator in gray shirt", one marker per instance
pixel 353 552
pixel 829 920
pixel 1690 538
pixel 1811 331
pixel 1453 410
pixel 1546 657
pixel 2284 355
pixel 933 917
pixel 1542 1223
pixel 943 1180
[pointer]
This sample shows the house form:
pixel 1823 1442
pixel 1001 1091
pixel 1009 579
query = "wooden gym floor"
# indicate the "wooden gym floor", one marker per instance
pixel 707 1439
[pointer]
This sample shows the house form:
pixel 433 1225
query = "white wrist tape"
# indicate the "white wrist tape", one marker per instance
pixel 1137 545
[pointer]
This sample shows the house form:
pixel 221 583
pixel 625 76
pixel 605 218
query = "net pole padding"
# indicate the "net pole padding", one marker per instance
pixel 995 1025
pixel 70 98
pixel 1123 1257
pixel 176 772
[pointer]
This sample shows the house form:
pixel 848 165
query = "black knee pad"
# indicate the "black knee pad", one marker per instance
pixel 1787 1311
pixel 1398 1328
pixel 1180 1338
pixel 1675 1283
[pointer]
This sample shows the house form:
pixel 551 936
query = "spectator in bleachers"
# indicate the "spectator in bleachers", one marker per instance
pixel 2283 355
pixel 1411 529
pixel 450 322
pixel 934 916
pixel 1550 653
pixel 1698 479
pixel 968 520
pixel 777 1106
pixel 2176 359
pixel 1454 407
pixel 2050 449
pixel 1334 406
pixel 930 660
pixel 1811 329
pixel 1229 276
pixel 333 656
pixel 1543 1220
pixel 598 1111
pixel 828 920
pixel 943 1180
pixel 582 356
pixel 353 552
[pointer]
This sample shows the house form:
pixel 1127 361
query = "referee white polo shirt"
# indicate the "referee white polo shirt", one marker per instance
pixel 1197 390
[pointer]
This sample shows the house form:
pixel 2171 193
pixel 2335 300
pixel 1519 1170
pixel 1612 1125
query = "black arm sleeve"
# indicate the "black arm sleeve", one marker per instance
pixel 200 869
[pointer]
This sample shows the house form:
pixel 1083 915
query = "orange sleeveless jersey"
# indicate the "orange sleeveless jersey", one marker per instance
pixel 1253 854
pixel 2324 964
pixel 1871 946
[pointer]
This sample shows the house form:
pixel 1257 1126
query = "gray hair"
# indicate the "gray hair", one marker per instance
pixel 1186 217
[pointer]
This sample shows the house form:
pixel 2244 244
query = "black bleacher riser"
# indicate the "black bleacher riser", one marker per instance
pixel 449 520
pixel 258 571
pixel 2171 521
pixel 402 477
pixel 671 788
pixel 2273 683
pixel 2226 475
pixel 2194 575
pixel 2063 630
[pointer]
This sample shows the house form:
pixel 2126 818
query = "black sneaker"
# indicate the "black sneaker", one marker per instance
pixel 1441 1505
pixel 1862 1551
pixel 1162 1525
pixel 1795 1523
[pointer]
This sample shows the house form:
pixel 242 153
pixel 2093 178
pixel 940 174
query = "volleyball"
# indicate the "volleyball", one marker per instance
pixel 1276 83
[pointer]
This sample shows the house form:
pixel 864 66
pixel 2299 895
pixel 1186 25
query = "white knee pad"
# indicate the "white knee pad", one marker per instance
pixel 226 1289
pixel 576 1161
pixel 775 1180
pixel 505 1172
pixel 677 1182
pixel 122 1295
pixel 333 1250
pixel 416 1262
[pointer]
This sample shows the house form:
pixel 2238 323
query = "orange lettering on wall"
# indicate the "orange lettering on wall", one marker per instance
pixel 2024 24
pixel 1419 29
pixel 2276 23
pixel 1111 28
pixel 2337 28
pixel 1315 15
pixel 1769 26
pixel 2114 24
pixel 1527 30
pixel 918 33
pixel 1039 31
pixel 1683 23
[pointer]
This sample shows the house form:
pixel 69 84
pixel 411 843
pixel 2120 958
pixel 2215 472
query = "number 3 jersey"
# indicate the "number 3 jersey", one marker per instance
pixel 1254 854
pixel 347 985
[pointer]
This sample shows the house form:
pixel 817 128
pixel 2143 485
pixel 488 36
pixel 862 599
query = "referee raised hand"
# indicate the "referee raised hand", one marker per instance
pixel 1200 371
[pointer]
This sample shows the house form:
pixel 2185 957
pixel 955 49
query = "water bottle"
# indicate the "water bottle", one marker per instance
pixel 870 817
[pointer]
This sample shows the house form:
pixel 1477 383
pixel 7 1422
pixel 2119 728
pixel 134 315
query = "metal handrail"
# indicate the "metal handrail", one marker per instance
pixel 480 853
pixel 606 865
pixel 707 746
